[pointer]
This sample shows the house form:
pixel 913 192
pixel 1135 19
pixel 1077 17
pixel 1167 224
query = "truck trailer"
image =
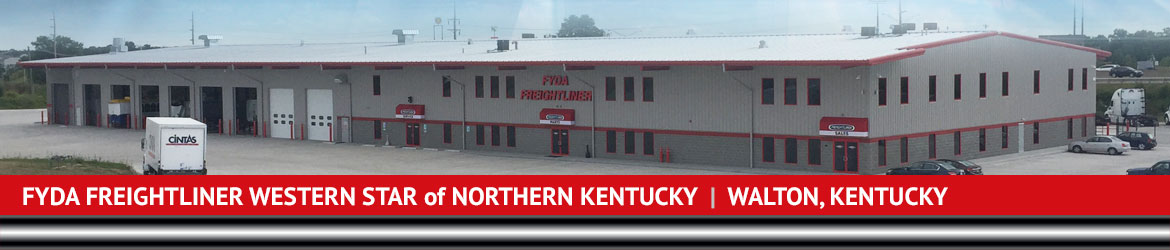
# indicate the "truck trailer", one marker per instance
pixel 174 146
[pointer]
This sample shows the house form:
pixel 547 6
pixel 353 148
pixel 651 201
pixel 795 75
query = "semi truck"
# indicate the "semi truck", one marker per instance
pixel 1129 106
pixel 174 146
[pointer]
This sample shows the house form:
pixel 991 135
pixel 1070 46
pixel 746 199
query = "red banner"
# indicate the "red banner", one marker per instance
pixel 583 195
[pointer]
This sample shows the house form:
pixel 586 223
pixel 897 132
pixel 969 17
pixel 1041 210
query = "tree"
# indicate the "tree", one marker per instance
pixel 582 26
pixel 1143 33
pixel 1166 31
pixel 66 47
pixel 130 46
pixel 1119 33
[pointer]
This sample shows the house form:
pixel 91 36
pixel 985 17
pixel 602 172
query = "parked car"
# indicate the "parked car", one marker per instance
pixel 926 168
pixel 1160 168
pixel 1125 71
pixel 1138 140
pixel 1167 115
pixel 969 168
pixel 1100 144
pixel 1107 67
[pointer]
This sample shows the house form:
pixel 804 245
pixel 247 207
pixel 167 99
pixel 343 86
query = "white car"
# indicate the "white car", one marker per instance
pixel 1107 67
pixel 1167 116
pixel 1100 144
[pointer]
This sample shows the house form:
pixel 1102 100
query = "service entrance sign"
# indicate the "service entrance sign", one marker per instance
pixel 844 126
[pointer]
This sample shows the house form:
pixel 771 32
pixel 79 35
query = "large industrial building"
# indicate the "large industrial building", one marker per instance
pixel 832 103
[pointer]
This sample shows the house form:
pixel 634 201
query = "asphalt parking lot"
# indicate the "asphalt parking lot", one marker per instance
pixel 21 136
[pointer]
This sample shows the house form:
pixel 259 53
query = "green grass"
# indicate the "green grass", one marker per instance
pixel 62 165
pixel 22 96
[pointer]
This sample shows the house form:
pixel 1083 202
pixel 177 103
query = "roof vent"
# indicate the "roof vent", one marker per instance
pixel 763 44
pixel 208 40
pixel 405 36
pixel 929 26
pixel 527 35
pixel 502 45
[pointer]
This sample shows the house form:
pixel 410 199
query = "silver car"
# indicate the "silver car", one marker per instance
pixel 1100 144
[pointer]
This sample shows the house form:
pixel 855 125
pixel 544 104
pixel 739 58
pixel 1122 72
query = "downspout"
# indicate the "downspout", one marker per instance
pixel 752 128
pixel 593 120
pixel 463 93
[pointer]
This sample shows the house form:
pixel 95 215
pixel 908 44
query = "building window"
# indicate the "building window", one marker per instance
pixel 882 91
pixel 510 86
pixel 611 88
pixel 789 91
pixel 446 86
pixel 1003 137
pixel 881 152
pixel 647 89
pixel 495 87
pixel 1084 126
pixel 1084 78
pixel 904 91
pixel 377 85
pixel 814 152
pixel 1004 86
pixel 982 85
pixel 932 148
pixel 982 139
pixel 768 91
pixel 958 143
pixel 790 150
pixel 377 129
pixel 446 133
pixel 933 88
pixel 904 149
pixel 629 89
pixel 1070 79
pixel 1070 128
pixel 958 87
pixel 495 135
pixel 1035 133
pixel 629 142
pixel 647 143
pixel 769 148
pixel 511 136
pixel 479 134
pixel 611 141
pixel 478 86
pixel 814 91
pixel 1036 82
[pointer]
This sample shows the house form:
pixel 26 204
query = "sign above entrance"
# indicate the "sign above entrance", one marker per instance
pixel 557 117
pixel 410 111
pixel 844 126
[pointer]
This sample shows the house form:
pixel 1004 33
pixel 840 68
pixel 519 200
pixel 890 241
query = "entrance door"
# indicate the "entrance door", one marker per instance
pixel 280 105
pixel 845 157
pixel 320 114
pixel 412 134
pixel 211 103
pixel 60 110
pixel 560 142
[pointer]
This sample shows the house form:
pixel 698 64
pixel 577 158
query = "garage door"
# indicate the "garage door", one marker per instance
pixel 320 114
pixel 281 108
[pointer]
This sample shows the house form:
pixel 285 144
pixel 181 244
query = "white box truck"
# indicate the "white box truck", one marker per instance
pixel 174 146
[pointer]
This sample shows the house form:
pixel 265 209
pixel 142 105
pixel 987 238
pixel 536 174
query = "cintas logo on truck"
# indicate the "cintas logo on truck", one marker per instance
pixel 185 140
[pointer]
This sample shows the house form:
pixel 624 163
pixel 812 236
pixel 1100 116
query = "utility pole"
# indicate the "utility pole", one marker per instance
pixel 877 16
pixel 192 28
pixel 1082 17
pixel 454 21
pixel 54 19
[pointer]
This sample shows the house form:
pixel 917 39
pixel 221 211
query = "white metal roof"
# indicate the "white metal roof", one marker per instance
pixel 826 47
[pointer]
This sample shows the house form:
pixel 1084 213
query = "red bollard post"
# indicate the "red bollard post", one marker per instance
pixel 230 128
pixel 330 132
pixel 290 132
pixel 220 127
pixel 302 131
pixel 255 130
pixel 42 116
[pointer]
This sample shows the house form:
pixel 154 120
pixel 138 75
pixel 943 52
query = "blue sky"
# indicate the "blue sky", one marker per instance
pixel 166 22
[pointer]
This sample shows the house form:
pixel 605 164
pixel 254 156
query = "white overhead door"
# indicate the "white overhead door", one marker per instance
pixel 281 108
pixel 320 114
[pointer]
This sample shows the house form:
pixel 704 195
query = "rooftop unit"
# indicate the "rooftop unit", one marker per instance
pixel 405 36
